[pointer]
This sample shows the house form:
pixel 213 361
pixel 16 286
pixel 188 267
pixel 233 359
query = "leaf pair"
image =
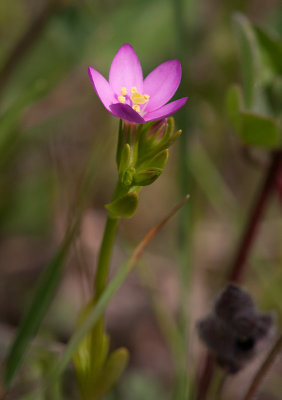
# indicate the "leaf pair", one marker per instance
pixel 97 370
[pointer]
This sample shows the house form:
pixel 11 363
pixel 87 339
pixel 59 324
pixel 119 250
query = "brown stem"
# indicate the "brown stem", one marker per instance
pixel 205 376
pixel 239 265
pixel 26 41
pixel 263 370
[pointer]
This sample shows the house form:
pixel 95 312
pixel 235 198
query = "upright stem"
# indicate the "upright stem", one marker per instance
pixel 239 265
pixel 205 376
pixel 105 255
pixel 262 371
pixel 184 32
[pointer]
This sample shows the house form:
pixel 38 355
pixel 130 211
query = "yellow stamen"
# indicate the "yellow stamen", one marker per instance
pixel 133 89
pixel 136 107
pixel 146 97
pixel 121 99
pixel 123 90
pixel 138 98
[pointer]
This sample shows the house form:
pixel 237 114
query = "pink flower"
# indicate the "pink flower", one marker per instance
pixel 129 97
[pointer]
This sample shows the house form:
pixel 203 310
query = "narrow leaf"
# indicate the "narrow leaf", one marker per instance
pixel 33 317
pixel 234 102
pixel 249 55
pixel 272 45
pixel 47 285
pixel 111 373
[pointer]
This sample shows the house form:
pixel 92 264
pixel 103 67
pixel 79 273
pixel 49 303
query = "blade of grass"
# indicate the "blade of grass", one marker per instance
pixel 111 289
pixel 48 284
pixel 38 308
pixel 185 22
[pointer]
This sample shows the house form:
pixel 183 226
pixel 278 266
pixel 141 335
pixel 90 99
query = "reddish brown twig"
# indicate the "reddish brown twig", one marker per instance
pixel 239 265
pixel 263 370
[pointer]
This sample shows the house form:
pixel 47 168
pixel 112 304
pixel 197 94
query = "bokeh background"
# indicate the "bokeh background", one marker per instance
pixel 52 125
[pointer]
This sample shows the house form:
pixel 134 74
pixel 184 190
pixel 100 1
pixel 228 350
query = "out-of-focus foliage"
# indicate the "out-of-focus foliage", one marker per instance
pixel 51 124
pixel 256 114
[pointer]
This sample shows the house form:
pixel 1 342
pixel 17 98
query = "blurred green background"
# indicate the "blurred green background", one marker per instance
pixel 52 123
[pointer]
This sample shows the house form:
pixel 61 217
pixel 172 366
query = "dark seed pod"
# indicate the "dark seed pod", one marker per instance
pixel 234 330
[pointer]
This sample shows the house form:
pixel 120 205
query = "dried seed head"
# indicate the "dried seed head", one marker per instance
pixel 234 330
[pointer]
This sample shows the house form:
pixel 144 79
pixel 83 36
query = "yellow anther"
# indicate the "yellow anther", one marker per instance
pixel 136 107
pixel 133 89
pixel 123 90
pixel 138 98
pixel 146 97
pixel 121 99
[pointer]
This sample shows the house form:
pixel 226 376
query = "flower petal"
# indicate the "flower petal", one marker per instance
pixel 102 87
pixel 162 83
pixel 126 70
pixel 124 111
pixel 166 110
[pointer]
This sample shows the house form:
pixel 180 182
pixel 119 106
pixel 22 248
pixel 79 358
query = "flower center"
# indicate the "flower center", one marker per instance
pixel 135 99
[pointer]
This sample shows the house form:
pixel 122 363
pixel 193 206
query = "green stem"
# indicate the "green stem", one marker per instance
pixel 105 255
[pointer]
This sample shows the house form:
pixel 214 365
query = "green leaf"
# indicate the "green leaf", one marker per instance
pixel 234 104
pixel 250 58
pixel 147 176
pixel 93 350
pixel 272 45
pixel 124 206
pixel 258 130
pixel 35 313
pixel 91 354
pixel 111 373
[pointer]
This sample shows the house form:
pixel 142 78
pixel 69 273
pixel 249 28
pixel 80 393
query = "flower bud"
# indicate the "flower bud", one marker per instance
pixel 146 177
pixel 127 176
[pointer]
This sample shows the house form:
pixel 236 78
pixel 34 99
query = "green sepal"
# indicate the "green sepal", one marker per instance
pixel 158 161
pixel 258 130
pixel 173 138
pixel 147 176
pixel 124 206
pixel 110 374
pixel 124 158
